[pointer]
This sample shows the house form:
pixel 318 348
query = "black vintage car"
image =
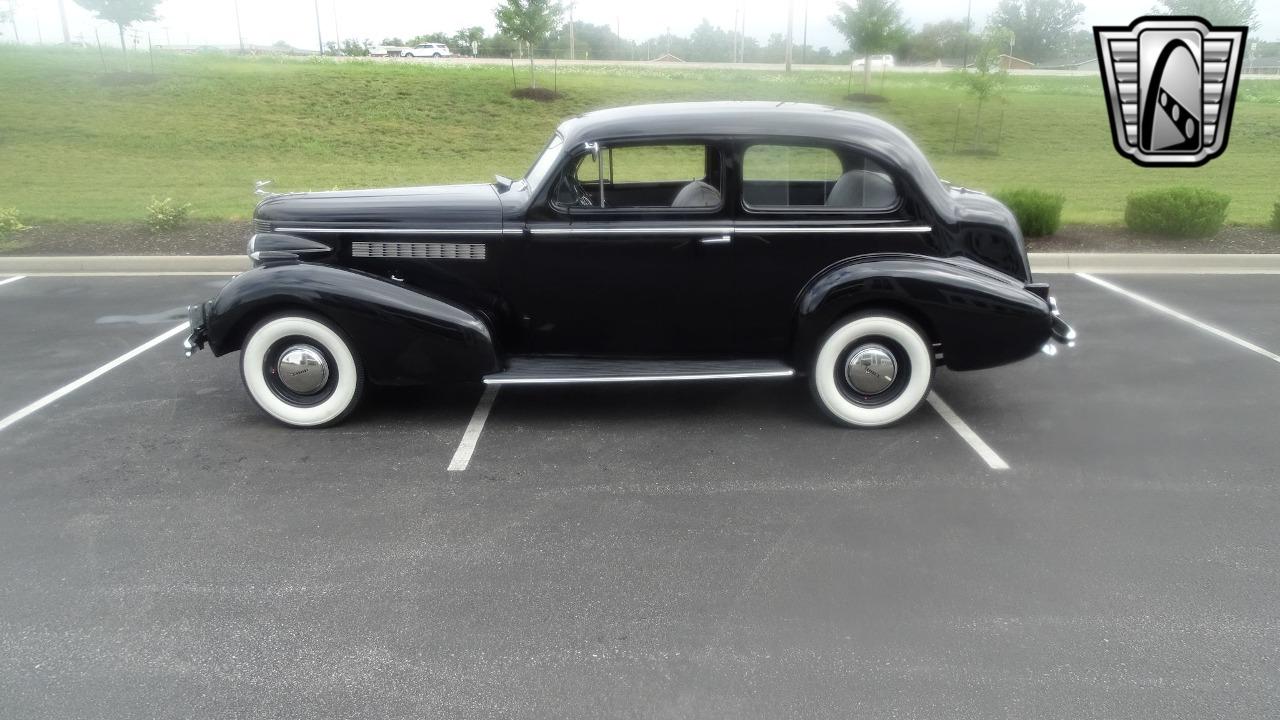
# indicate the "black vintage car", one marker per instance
pixel 676 242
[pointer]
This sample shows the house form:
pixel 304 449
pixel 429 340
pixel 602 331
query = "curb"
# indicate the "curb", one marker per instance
pixel 1155 263
pixel 124 265
pixel 1048 263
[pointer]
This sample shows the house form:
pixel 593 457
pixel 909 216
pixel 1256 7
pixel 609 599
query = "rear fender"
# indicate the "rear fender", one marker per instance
pixel 402 335
pixel 980 317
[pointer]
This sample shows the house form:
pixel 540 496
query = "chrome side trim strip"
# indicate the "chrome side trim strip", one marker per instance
pixel 392 231
pixel 652 230
pixel 745 229
pixel 499 380
pixel 833 229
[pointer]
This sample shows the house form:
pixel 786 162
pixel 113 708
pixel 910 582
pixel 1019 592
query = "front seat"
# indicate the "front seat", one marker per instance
pixel 696 194
pixel 863 189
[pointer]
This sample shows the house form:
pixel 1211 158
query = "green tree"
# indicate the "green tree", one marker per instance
pixel 1041 28
pixel 123 13
pixel 462 39
pixel 870 26
pixel 986 80
pixel 943 40
pixel 1218 12
pixel 529 21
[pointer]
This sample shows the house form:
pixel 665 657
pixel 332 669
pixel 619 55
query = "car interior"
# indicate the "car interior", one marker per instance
pixel 689 176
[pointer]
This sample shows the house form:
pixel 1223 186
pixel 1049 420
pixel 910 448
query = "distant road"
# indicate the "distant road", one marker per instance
pixel 1090 70
pixel 766 67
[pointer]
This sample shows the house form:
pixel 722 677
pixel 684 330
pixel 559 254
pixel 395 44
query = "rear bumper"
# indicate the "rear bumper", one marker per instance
pixel 1060 332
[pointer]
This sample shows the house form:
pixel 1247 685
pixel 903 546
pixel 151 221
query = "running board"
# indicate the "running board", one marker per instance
pixel 561 370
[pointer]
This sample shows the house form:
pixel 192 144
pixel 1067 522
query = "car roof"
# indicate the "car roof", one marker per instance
pixel 791 121
pixel 798 121
pixel 753 118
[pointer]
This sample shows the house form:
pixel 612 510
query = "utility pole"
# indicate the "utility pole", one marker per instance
pixel 733 54
pixel 790 5
pixel 239 34
pixel 968 17
pixel 62 13
pixel 319 38
pixel 804 43
pixel 742 45
pixel 13 19
pixel 571 48
pixel 336 34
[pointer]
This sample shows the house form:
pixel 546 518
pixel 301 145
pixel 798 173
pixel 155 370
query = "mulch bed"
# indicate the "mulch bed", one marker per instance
pixel 539 94
pixel 1111 239
pixel 203 237
pixel 228 237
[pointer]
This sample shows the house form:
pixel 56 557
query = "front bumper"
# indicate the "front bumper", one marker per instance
pixel 198 337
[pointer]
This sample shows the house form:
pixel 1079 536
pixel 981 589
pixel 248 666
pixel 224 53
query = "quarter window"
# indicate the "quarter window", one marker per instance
pixel 793 176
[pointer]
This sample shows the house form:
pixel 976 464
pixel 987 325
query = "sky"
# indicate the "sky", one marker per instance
pixel 213 22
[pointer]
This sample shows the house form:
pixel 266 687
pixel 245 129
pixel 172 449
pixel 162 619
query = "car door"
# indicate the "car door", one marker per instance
pixel 803 207
pixel 628 254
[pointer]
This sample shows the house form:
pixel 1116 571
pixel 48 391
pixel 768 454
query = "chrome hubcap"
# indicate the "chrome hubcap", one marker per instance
pixel 871 369
pixel 303 369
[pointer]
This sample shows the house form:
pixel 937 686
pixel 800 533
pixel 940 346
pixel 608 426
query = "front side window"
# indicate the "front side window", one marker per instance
pixel 800 176
pixel 678 176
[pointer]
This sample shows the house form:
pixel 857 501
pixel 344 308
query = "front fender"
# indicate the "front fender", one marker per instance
pixel 980 317
pixel 402 335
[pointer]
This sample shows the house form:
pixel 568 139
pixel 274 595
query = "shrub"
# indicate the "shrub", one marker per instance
pixel 9 222
pixel 166 214
pixel 1039 213
pixel 1275 217
pixel 1180 212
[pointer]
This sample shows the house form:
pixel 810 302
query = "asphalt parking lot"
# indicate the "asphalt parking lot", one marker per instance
pixel 700 551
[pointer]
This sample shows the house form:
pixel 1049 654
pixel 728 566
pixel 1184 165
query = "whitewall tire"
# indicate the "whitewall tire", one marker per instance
pixel 301 370
pixel 872 369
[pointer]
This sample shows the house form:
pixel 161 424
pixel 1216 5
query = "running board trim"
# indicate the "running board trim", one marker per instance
pixel 499 380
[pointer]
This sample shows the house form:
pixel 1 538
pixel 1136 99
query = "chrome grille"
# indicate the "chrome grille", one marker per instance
pixel 423 250
pixel 261 225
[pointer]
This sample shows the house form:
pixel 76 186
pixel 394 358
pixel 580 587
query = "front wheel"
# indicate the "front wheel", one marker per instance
pixel 872 369
pixel 301 371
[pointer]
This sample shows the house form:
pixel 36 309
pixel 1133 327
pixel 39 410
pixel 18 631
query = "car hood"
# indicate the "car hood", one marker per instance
pixel 439 206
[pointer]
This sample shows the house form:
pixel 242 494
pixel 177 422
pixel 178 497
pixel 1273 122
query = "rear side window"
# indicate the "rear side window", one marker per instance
pixel 800 176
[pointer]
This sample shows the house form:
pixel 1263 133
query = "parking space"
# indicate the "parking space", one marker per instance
pixel 710 550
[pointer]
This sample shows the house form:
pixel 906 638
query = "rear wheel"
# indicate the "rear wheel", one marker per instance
pixel 872 369
pixel 301 371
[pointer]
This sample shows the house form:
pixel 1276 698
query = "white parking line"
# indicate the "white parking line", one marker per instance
pixel 85 380
pixel 8 280
pixel 1181 316
pixel 462 456
pixel 966 433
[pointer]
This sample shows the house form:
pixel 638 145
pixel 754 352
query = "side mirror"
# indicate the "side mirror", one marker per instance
pixel 503 182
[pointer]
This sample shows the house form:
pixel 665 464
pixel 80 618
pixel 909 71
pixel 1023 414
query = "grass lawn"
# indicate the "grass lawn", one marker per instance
pixel 80 144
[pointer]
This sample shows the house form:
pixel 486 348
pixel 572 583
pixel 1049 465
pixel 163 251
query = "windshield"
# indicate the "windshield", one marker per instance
pixel 545 162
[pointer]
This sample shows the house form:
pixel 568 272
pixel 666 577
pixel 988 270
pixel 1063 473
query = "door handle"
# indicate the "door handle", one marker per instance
pixel 717 240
